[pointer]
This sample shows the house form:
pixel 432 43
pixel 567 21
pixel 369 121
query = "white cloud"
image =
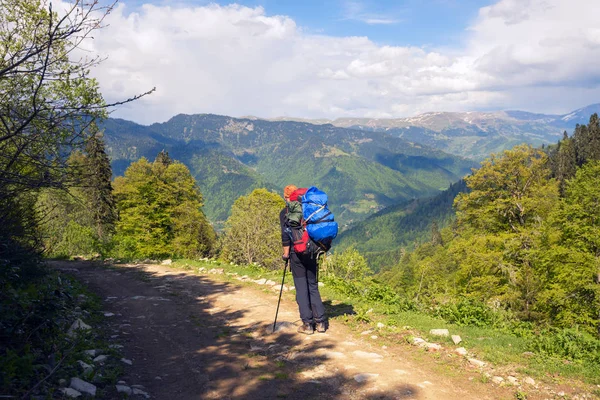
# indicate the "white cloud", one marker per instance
pixel 538 55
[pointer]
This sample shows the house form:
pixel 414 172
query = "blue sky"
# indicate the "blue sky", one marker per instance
pixel 349 58
pixel 423 23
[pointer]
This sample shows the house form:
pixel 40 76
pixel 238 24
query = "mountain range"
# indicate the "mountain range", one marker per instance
pixel 365 165
pixel 362 171
pixel 472 134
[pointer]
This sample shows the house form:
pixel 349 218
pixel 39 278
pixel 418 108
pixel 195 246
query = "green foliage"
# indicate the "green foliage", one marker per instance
pixel 160 213
pixel 48 100
pixel 517 252
pixel 347 265
pixel 252 232
pixel 468 312
pixel 508 192
pixel 567 343
pixel 79 220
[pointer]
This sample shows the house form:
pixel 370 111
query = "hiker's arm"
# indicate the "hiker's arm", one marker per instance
pixel 286 253
pixel 285 237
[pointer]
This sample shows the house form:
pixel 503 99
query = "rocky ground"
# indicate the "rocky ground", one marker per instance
pixel 198 336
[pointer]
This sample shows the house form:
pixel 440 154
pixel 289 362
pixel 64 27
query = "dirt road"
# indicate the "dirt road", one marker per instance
pixel 194 336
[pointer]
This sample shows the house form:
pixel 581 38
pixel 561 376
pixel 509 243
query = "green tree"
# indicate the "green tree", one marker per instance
pixel 573 296
pixel 87 207
pixel 348 265
pixel 48 102
pixel 566 161
pixel 160 209
pixel 587 141
pixel 501 229
pixel 97 187
pixel 252 232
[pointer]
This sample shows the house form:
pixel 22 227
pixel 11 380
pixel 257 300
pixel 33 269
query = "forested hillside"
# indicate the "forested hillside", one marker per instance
pixel 384 237
pixel 362 171
pixel 526 238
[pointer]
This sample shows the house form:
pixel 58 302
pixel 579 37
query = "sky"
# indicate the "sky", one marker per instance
pixel 348 58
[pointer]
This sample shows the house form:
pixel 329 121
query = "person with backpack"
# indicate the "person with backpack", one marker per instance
pixel 304 271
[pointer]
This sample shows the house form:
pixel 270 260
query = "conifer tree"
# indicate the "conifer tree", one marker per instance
pixel 163 158
pixel 566 161
pixel 436 236
pixel 98 188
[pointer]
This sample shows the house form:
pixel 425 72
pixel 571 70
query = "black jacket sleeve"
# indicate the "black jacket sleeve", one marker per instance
pixel 285 237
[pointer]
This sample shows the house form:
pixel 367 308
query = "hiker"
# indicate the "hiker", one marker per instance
pixel 304 270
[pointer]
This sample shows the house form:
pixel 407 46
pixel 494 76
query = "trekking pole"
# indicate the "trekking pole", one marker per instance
pixel 280 292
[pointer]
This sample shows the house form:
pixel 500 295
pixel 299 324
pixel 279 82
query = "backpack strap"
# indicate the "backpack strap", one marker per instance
pixel 307 220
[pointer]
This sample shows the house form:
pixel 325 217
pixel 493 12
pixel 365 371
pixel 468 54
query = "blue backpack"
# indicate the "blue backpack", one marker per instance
pixel 318 219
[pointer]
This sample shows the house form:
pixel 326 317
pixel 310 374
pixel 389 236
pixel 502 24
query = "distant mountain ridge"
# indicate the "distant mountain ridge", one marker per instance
pixel 471 134
pixel 362 171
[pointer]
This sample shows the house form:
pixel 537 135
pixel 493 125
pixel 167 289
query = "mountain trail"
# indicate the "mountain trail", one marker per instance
pixel 192 336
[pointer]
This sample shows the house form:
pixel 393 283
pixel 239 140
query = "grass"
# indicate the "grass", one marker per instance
pixel 502 349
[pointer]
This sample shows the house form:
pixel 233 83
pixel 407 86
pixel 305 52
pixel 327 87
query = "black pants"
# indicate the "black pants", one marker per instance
pixel 304 271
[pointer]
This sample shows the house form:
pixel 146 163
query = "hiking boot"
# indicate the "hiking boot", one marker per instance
pixel 321 327
pixel 306 328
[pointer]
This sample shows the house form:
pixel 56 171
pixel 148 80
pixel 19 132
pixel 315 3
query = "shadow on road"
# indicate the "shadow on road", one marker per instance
pixel 184 346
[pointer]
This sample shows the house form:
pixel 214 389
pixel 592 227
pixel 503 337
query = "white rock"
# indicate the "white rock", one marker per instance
pixel 419 342
pixel 270 283
pixel 126 361
pixel 115 346
pixel 83 386
pixel 439 332
pixel 456 339
pixel 78 325
pixel 261 281
pixel 70 392
pixel 124 389
pixel 461 351
pixel 364 377
pixel 364 354
pixel 477 363
pixel 380 325
pixel 497 380
pixel 512 380
pixel 366 332
pixel 109 314
pixel 86 367
pixel 141 393
pixel 529 381
pixel 321 284
pixel 100 359
pixel 433 347
pixel 167 262
pixel 217 271
pixel 374 337
pixel 91 353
